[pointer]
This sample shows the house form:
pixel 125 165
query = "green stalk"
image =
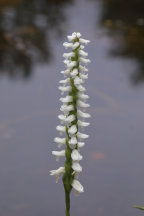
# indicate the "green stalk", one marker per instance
pixel 68 177
pixel 67 201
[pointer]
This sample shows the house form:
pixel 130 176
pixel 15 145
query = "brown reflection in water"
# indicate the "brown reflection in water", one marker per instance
pixel 24 33
pixel 125 23
pixel 97 156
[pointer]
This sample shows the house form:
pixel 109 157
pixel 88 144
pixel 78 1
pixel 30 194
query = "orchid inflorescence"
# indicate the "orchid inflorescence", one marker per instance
pixel 73 109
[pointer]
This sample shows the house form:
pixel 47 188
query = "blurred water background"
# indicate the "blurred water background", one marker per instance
pixel 31 37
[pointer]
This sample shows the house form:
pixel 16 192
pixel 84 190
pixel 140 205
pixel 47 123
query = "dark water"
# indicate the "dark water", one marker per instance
pixel 31 37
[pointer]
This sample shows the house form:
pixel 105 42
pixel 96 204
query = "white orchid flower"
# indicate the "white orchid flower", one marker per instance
pixel 57 172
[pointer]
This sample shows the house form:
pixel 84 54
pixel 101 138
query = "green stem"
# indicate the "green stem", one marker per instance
pixel 67 201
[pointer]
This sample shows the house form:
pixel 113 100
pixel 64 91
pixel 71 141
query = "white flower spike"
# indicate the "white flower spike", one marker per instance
pixel 72 117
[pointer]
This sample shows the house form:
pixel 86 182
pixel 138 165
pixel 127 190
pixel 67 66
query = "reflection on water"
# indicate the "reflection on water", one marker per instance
pixel 125 22
pixel 24 33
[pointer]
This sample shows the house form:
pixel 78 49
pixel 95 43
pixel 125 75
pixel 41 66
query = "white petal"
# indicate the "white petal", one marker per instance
pixel 74 72
pixel 77 81
pixel 80 144
pixel 82 68
pixel 65 72
pixel 64 81
pixel 84 41
pixel 74 34
pixel 62 117
pixel 68 55
pixel 81 88
pixel 70 118
pixel 73 141
pixel 64 88
pixel 77 186
pixel 58 154
pixel 82 47
pixel 83 53
pixel 71 64
pixel 61 128
pixel 66 99
pixel 83 124
pixel 83 76
pixel 67 45
pixel 82 114
pixel 71 37
pixel 72 130
pixel 83 96
pixel 57 172
pixel 75 45
pixel 82 104
pixel 84 60
pixel 82 136
pixel 75 155
pixel 66 108
pixel 60 140
pixel 76 167
pixel 78 34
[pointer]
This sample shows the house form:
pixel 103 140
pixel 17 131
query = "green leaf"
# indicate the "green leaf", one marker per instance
pixel 139 207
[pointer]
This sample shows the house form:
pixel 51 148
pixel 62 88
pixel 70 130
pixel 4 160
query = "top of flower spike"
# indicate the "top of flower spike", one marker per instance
pixel 72 37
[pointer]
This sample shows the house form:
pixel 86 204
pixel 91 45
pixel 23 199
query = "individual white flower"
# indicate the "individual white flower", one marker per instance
pixel 65 72
pixel 64 88
pixel 83 96
pixel 80 144
pixel 71 64
pixel 83 76
pixel 81 88
pixel 76 167
pixel 57 172
pixel 60 141
pixel 77 80
pixel 82 68
pixel 77 187
pixel 61 129
pixel 75 155
pixel 66 108
pixel 66 61
pixel 62 118
pixel 81 40
pixel 82 136
pixel 64 81
pixel 71 37
pixel 72 130
pixel 68 55
pixel 78 34
pixel 70 118
pixel 82 114
pixel 84 60
pixel 82 104
pixel 58 154
pixel 66 99
pixel 83 53
pixel 75 35
pixel 73 141
pixel 67 45
pixel 83 124
pixel 74 72
pixel 82 47
pixel 75 45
